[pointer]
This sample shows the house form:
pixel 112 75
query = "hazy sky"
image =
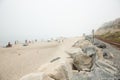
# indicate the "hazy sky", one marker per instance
pixel 29 19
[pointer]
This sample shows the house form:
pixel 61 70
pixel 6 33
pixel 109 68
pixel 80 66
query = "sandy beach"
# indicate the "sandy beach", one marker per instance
pixel 21 60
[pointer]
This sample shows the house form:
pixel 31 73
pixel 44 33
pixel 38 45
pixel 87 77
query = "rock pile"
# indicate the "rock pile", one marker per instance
pixel 101 68
pixel 86 61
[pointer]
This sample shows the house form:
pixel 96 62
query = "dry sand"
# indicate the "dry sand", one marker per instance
pixel 20 60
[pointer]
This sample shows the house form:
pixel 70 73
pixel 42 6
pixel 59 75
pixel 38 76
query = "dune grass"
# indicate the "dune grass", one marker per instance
pixel 115 37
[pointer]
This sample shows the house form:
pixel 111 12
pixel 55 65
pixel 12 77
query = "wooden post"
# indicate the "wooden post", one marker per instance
pixel 83 34
pixel 93 35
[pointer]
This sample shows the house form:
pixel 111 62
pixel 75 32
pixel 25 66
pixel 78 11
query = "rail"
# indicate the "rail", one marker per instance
pixel 110 42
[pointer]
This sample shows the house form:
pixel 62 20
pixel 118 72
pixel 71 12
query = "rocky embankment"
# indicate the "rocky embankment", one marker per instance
pixel 110 32
pixel 85 61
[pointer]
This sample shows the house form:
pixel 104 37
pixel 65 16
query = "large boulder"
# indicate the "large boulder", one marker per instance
pixel 81 43
pixel 58 70
pixel 72 52
pixel 100 45
pixel 36 76
pixel 83 62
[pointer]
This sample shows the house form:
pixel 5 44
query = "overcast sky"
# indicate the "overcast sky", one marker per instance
pixel 29 19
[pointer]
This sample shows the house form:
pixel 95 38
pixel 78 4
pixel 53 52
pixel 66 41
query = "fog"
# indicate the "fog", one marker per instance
pixel 42 19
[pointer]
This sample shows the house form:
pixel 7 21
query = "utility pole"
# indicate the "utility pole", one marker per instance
pixel 93 35
pixel 83 34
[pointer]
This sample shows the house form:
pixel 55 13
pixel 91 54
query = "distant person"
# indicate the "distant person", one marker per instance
pixel 9 44
pixel 26 41
pixel 83 34
pixel 29 41
pixel 35 40
pixel 15 42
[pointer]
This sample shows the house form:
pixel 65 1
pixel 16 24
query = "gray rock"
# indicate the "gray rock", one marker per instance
pixel 102 75
pixel 96 74
pixel 107 54
pixel 100 45
pixel 108 68
pixel 89 38
pixel 89 50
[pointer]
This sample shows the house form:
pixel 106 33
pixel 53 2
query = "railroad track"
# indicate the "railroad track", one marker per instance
pixel 110 42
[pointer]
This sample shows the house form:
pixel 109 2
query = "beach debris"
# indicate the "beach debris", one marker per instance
pixel 55 59
pixel 8 45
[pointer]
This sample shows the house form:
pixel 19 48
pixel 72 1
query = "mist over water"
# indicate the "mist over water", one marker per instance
pixel 22 39
pixel 43 19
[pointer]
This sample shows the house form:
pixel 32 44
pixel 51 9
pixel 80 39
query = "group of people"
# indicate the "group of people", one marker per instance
pixel 9 44
pixel 16 42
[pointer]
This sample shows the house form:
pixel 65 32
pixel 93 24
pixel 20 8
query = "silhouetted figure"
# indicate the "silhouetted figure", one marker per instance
pixel 15 42
pixel 29 41
pixel 9 44
pixel 83 34
pixel 26 41
pixel 35 40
